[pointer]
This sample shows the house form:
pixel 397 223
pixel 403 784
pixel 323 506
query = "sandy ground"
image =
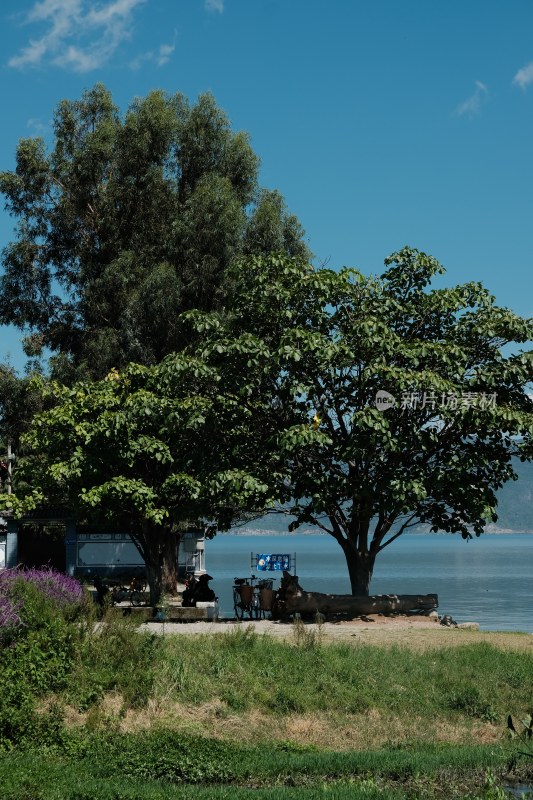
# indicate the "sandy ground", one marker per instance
pixel 415 632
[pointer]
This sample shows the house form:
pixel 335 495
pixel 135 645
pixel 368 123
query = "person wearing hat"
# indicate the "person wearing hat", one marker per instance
pixel 198 591
pixel 204 593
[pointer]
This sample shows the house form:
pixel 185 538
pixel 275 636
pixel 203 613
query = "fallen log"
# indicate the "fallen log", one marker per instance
pixel 292 599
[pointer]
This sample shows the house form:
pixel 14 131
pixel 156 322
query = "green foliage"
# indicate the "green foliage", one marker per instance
pixel 313 348
pixel 34 661
pixel 164 755
pixel 103 769
pixel 98 762
pixel 58 652
pixel 469 700
pixel 264 234
pixel 146 450
pixel 115 657
pixel 20 399
pixel 250 672
pixel 493 789
pixel 59 657
pixel 127 221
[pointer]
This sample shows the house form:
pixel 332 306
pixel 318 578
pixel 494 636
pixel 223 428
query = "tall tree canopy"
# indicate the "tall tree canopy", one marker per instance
pixel 148 451
pixel 363 405
pixel 385 402
pixel 126 223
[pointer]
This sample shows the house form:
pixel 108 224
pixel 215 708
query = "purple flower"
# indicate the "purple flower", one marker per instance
pixel 9 618
pixel 59 588
pixel 64 592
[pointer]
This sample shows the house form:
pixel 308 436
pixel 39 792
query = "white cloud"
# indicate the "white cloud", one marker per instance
pixel 81 35
pixel 37 126
pixel 164 53
pixel 472 105
pixel 161 56
pixel 524 76
pixel 215 5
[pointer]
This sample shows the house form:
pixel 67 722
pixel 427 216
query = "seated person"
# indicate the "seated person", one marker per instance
pixel 197 590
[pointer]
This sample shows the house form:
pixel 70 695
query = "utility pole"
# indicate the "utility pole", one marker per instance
pixel 9 468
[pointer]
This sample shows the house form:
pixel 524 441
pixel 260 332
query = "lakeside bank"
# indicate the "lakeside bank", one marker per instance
pixel 416 633
pixel 486 580
pixel 317 709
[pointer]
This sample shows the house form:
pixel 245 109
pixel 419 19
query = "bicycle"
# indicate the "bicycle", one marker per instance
pixel 134 593
pixel 251 599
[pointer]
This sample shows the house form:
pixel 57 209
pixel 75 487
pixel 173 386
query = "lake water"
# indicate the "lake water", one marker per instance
pixel 487 580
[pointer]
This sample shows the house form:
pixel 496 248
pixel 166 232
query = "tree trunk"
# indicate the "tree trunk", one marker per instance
pixel 292 598
pixel 169 566
pixel 360 569
pixel 160 550
pixel 154 583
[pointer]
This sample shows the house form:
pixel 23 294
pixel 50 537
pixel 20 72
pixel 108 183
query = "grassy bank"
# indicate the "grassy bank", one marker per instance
pixel 241 714
pixel 136 715
pixel 336 696
pixel 161 764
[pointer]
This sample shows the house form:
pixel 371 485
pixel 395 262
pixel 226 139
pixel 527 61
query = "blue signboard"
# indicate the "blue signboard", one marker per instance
pixel 273 561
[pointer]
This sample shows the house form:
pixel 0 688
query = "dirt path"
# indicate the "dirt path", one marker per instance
pixel 418 633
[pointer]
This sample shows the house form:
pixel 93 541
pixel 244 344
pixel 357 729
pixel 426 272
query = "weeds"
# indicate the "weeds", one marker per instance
pixel 248 672
pixel 115 657
pixel 470 701
pixel 524 737
pixel 105 766
pixel 251 688
pixel 308 638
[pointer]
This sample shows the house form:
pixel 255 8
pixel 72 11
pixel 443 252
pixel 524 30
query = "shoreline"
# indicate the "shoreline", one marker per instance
pixel 413 632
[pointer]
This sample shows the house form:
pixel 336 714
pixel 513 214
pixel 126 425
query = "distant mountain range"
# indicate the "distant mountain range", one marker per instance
pixel 515 503
pixel 515 511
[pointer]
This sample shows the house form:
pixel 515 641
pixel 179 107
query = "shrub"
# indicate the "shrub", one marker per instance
pixel 9 619
pixel 39 642
pixel 65 593
pixel 115 657
pixel 165 756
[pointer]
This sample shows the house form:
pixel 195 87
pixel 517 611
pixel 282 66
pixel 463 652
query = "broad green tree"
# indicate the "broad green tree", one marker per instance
pixel 147 451
pixel 362 405
pixel 127 221
pixel 19 401
pixel 385 403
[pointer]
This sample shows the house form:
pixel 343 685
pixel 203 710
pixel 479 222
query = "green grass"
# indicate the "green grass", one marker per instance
pixel 247 672
pixel 115 657
pixel 404 695
pixel 156 764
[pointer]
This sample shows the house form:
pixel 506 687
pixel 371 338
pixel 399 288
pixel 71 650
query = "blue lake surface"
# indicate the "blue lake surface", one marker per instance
pixel 487 580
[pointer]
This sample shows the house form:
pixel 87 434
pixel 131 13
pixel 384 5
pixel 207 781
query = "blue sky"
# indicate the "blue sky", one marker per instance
pixel 383 124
